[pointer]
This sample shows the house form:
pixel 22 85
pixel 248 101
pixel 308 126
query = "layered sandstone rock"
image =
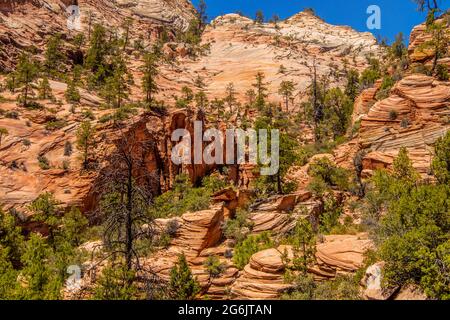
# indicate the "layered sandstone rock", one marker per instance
pixel 418 51
pixel 29 24
pixel 262 278
pixel 365 101
pixel 30 140
pixel 414 116
pixel 279 214
pixel 340 254
pixel 239 48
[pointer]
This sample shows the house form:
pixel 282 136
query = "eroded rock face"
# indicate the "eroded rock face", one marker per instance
pixel 30 141
pixel 175 13
pixel 279 214
pixel 239 48
pixel 414 116
pixel 341 254
pixel 30 23
pixel 262 278
pixel 419 35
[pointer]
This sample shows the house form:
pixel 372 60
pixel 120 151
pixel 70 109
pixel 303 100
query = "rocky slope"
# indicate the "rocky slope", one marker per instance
pixel 28 24
pixel 288 50
pixel 414 116
pixel 420 54
pixel 30 140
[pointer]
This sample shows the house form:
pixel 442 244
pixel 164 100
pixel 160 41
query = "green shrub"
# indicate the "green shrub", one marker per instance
pixel 12 115
pixel 26 142
pixel 253 244
pixel 238 228
pixel 323 169
pixel 214 267
pixel 393 115
pixel 329 219
pixel 43 163
pixel 106 118
pixel 182 284
pixel 385 88
pixel 183 198
pixel 341 288
pixel 442 72
pixel 55 125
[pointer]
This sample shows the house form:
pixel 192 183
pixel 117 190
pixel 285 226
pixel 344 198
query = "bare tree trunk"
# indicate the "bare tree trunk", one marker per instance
pixel 280 190
pixel 128 224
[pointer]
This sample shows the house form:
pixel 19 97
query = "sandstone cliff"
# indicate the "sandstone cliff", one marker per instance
pixel 288 50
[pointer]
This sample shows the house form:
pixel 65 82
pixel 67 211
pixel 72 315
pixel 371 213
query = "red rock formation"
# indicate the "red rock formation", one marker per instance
pixel 29 23
pixel 262 278
pixel 419 36
pixel 414 116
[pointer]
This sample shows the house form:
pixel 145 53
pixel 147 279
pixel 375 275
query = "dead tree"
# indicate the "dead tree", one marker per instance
pixel 126 196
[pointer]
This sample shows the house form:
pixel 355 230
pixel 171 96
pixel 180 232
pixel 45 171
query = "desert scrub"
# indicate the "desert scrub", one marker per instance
pixel 214 267
pixel 239 227
pixel 44 164
pixel 253 244
pixel 183 197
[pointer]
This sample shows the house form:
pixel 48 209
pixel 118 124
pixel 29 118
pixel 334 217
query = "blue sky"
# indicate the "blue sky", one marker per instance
pixel 396 15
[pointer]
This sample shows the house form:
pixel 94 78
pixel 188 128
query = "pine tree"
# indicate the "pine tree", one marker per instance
pixel 352 86
pixel 8 277
pixel 398 48
pixel 337 112
pixel 261 90
pixel 54 57
pixel 73 225
pixel 259 17
pixel 118 83
pixel 116 283
pixel 251 96
pixel 230 97
pixel 150 71
pixel 304 246
pixel 201 100
pixel 286 90
pixel 439 41
pixel 201 14
pixel 11 82
pixel 85 141
pixel 441 161
pixel 95 60
pixel 45 91
pixel 72 94
pixel 188 94
pixel 218 106
pixel 126 25
pixel 182 285
pixel 46 210
pixel 403 168
pixel 429 5
pixel 26 72
pixel 41 280
pixel 11 238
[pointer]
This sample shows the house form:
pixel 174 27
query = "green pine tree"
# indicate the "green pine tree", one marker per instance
pixel 441 161
pixel 150 70
pixel 182 284
pixel 47 211
pixel 26 72
pixel 45 91
pixel 85 141
pixel 41 282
